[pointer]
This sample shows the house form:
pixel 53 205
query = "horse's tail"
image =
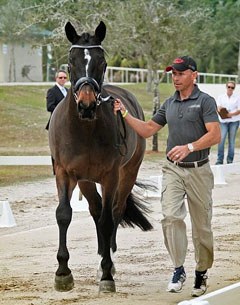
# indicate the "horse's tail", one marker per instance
pixel 136 212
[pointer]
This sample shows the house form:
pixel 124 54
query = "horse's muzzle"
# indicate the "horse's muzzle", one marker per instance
pixel 87 112
pixel 86 100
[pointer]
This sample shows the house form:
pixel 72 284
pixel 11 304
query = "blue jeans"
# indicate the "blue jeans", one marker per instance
pixel 230 130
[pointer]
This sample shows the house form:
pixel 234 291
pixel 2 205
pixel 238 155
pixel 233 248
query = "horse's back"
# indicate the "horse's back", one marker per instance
pixel 127 98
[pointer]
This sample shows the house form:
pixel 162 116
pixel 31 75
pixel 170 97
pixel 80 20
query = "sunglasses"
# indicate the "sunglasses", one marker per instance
pixel 61 77
pixel 229 87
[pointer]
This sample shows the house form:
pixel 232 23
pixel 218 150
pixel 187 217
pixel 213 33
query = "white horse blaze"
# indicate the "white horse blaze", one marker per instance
pixel 87 56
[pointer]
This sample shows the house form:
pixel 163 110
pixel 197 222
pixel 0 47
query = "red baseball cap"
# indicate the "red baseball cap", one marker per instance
pixel 182 63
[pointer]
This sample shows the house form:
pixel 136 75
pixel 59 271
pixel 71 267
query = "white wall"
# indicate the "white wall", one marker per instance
pixel 216 89
pixel 17 56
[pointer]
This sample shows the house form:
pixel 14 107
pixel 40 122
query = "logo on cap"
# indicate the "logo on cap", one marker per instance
pixel 178 61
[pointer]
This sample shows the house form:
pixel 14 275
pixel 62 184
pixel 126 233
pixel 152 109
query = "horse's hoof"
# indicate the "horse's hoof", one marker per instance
pixel 64 282
pixel 107 286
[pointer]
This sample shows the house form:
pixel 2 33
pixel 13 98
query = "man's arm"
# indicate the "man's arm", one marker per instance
pixel 144 129
pixel 231 114
pixel 212 137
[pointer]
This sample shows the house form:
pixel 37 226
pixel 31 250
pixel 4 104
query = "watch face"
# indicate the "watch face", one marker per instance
pixel 190 146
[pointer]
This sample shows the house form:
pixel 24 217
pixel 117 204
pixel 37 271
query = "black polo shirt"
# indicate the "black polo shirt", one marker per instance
pixel 186 120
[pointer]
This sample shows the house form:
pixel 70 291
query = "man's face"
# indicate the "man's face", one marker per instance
pixel 183 79
pixel 61 78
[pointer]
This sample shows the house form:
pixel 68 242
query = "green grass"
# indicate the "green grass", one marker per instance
pixel 23 118
pixel 10 175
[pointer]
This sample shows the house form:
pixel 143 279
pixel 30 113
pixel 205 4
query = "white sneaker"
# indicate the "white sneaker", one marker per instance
pixel 200 285
pixel 178 279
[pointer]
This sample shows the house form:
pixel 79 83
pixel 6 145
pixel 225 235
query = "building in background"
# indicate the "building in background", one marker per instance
pixel 22 56
pixel 20 62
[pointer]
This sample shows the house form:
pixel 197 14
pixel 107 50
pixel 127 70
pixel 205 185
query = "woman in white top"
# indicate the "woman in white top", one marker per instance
pixel 229 121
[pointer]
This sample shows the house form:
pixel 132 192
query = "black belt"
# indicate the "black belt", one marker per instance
pixel 190 164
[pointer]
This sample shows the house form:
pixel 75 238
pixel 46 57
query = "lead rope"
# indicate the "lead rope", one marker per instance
pixel 121 136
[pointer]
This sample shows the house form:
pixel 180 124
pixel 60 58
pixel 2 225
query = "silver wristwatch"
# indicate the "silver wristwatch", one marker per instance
pixel 190 147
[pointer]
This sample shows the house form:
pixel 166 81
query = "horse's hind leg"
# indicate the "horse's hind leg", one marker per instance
pixel 63 278
pixel 127 173
pixel 119 207
pixel 106 229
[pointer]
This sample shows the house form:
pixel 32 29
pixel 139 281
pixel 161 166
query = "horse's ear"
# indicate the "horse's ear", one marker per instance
pixel 71 33
pixel 100 31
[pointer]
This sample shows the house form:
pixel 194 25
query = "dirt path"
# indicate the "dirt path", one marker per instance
pixel 28 251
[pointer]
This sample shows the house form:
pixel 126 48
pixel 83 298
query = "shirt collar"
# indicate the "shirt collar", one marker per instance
pixel 60 87
pixel 194 95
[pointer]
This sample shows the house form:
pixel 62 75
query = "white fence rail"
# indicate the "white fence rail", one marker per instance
pixel 131 75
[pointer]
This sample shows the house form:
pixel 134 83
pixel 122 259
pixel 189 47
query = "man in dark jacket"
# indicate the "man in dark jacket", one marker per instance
pixel 56 93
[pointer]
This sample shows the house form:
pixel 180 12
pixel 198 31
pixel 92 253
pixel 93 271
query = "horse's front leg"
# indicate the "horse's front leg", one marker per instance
pixel 63 278
pixel 94 199
pixel 106 229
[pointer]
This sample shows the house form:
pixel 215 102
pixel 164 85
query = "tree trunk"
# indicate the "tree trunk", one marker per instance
pixel 12 65
pixel 149 80
pixel 156 105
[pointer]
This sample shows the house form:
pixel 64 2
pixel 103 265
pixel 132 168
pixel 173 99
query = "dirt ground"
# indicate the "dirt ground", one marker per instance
pixel 28 251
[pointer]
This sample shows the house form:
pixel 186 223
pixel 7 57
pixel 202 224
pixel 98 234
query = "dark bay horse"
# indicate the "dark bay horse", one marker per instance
pixel 89 145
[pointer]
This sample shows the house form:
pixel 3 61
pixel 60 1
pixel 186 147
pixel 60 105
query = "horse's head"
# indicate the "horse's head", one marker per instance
pixel 87 66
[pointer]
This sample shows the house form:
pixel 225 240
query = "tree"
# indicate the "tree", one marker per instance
pixel 228 37
pixel 52 15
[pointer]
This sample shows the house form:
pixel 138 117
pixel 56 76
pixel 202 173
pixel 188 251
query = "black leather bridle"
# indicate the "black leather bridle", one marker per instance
pixel 89 80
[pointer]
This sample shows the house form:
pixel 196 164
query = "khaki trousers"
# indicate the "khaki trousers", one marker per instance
pixel 196 185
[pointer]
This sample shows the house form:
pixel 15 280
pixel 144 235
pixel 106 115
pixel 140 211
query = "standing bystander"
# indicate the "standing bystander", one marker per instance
pixel 193 128
pixel 229 114
pixel 56 93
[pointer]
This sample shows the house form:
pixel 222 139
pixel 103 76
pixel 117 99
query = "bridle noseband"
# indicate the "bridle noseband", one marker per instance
pixel 88 80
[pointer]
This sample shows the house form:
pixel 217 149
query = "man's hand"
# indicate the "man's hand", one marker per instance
pixel 118 106
pixel 178 153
